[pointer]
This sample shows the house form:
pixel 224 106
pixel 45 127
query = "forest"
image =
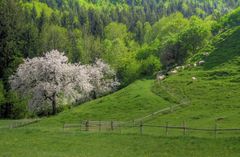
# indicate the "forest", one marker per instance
pixel 137 38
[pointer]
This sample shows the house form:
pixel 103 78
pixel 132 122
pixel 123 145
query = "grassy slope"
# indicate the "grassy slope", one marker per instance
pixel 136 100
pixel 216 93
pixel 213 96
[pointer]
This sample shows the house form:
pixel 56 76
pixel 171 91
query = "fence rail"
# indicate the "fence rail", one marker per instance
pixel 171 108
pixel 22 124
pixel 110 126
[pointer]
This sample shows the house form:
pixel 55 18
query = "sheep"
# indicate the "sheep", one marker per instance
pixel 194 78
pixel 173 72
pixel 161 77
pixel 201 62
pixel 178 67
pixel 206 54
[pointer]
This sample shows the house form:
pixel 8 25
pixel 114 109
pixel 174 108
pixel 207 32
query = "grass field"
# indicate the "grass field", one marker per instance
pixel 33 142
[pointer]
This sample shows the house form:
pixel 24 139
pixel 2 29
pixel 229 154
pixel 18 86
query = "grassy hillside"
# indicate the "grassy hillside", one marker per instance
pixel 215 94
pixel 135 101
pixel 214 98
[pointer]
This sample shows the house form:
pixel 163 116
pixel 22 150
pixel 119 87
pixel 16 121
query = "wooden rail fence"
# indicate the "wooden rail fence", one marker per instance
pixel 22 123
pixel 110 126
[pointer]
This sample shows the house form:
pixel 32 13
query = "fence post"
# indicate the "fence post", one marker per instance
pixel 80 127
pixel 166 128
pixel 119 126
pixel 87 125
pixel 141 127
pixel 112 125
pixel 215 130
pixel 99 129
pixel 184 128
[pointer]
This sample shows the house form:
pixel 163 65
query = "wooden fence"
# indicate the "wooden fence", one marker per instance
pixel 22 123
pixel 95 125
pixel 116 126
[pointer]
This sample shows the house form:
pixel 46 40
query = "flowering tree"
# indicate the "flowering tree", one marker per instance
pixel 48 79
pixel 102 78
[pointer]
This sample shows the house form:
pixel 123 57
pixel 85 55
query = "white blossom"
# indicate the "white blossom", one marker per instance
pixel 48 79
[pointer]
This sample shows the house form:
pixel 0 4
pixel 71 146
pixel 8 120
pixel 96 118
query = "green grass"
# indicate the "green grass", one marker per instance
pixel 135 101
pixel 215 95
pixel 25 142
pixel 7 123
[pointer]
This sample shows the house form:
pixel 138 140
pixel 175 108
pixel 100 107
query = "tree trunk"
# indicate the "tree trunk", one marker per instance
pixel 54 104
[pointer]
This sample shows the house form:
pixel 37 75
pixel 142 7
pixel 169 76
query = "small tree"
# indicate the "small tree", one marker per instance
pixel 47 79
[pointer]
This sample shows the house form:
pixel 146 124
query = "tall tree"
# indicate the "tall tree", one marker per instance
pixel 11 23
pixel 10 47
pixel 42 20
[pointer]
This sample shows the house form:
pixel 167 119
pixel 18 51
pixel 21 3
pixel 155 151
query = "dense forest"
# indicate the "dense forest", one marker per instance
pixel 137 38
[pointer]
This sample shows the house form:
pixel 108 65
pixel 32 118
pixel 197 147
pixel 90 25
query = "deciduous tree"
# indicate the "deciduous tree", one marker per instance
pixel 51 78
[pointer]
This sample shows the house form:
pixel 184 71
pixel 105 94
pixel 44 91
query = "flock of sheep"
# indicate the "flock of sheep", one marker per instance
pixel 161 75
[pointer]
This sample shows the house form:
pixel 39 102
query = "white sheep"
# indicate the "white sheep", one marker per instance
pixel 173 72
pixel 178 67
pixel 201 62
pixel 194 78
pixel 161 77
pixel 206 54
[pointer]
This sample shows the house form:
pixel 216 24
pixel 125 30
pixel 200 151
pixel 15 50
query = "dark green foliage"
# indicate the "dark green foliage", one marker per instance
pixel 42 20
pixel 148 57
pixel 2 93
pixel 10 42
pixel 232 19
pixel 54 37
pixel 30 41
pixel 188 41
pixel 150 65
pixel 13 107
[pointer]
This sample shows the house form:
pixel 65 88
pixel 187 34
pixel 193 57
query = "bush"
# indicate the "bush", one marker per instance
pixel 150 65
pixel 128 70
pixel 14 107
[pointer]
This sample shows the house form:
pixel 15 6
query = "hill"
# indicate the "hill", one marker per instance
pixel 214 94
pixel 214 97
